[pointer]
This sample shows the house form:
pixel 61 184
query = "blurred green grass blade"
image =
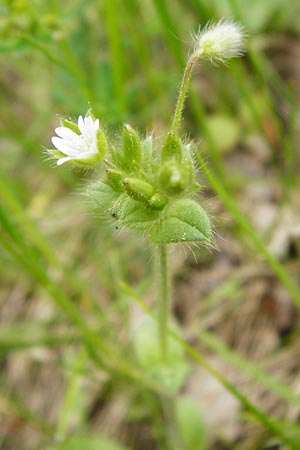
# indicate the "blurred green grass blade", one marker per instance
pixel 72 413
pixel 89 442
pixel 280 429
pixel 78 72
pixel 27 334
pixel 29 260
pixel 21 217
pixel 267 77
pixel 170 31
pixel 10 401
pixel 249 231
pixel 67 62
pixel 203 10
pixel 254 371
pixel 229 288
pixel 34 237
pixel 100 351
pixel 140 41
pixel 283 430
pixel 118 62
pixel 48 53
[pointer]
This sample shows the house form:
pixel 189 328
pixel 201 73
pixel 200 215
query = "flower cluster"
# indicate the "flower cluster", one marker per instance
pixel 147 189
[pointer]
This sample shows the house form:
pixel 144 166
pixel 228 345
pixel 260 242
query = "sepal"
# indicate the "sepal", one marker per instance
pixel 132 150
pixel 171 148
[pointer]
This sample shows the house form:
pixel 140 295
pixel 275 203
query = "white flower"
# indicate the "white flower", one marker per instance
pixel 82 147
pixel 219 42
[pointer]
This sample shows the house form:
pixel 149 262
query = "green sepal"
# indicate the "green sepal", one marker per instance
pixel 101 144
pixel 158 201
pixel 139 190
pixel 147 150
pixel 136 215
pixel 69 124
pixel 117 159
pixel 115 179
pixel 89 161
pixel 171 148
pixel 185 221
pixel 56 154
pixel 132 150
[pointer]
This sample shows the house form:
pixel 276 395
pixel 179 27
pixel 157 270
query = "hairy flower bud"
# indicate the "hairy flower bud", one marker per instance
pixel 220 41
pixel 132 151
pixel 138 189
pixel 173 178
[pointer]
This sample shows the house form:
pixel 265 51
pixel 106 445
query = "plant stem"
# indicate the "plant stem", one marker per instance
pixel 182 92
pixel 163 296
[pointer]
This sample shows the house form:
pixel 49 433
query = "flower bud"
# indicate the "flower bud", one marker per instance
pixel 158 201
pixel 132 150
pixel 115 179
pixel 138 189
pixel 219 42
pixel 173 178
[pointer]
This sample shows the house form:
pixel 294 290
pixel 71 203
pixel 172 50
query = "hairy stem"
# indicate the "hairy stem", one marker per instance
pixel 183 91
pixel 163 296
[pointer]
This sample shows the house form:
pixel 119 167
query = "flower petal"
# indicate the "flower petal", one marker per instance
pixel 91 127
pixel 66 133
pixel 64 146
pixel 81 125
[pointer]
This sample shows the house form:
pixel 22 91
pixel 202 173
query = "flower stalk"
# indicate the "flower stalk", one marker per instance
pixel 183 92
pixel 163 297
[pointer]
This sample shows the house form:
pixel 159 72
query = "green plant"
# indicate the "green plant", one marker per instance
pixel 151 188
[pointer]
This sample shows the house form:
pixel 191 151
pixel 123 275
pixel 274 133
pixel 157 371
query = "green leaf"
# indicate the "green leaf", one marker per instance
pixel 190 424
pixel 137 215
pixel 170 376
pixel 90 443
pixel 102 195
pixel 185 221
pixel 146 343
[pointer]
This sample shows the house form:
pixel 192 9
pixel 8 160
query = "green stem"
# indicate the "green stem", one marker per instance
pixel 182 92
pixel 163 297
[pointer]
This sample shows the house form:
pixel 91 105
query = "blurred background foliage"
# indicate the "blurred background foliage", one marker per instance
pixel 61 269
